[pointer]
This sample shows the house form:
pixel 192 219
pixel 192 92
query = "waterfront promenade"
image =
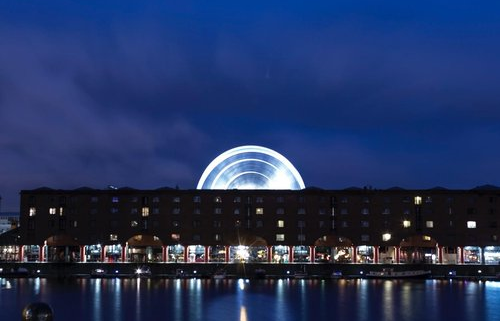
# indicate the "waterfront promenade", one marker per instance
pixel 246 270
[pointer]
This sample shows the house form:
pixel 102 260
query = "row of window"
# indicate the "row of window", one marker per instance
pixel 258 224
pixel 145 211
pixel 280 237
pixel 417 200
pixel 145 200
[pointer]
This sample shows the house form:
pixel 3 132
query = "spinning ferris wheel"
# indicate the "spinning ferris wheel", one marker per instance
pixel 250 167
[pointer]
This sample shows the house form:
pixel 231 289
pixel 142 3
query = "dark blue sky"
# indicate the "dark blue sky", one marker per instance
pixel 353 93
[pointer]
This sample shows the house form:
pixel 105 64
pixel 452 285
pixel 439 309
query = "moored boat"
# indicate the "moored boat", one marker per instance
pixel 301 274
pixel 218 275
pixel 336 275
pixel 391 274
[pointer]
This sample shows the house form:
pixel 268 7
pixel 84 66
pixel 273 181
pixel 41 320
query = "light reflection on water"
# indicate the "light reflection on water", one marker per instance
pixel 259 300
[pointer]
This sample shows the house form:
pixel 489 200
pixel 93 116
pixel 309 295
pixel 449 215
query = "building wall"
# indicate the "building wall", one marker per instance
pixel 207 217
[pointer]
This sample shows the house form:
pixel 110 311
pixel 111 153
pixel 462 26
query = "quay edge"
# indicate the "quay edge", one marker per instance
pixel 241 270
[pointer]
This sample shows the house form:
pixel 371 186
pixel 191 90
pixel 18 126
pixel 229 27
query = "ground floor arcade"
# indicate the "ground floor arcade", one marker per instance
pixel 260 253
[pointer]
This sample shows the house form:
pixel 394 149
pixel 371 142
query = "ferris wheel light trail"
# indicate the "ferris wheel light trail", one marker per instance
pixel 250 167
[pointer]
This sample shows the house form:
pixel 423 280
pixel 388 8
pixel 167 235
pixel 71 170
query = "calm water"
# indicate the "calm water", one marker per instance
pixel 158 299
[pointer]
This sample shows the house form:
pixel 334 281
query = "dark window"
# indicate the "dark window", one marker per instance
pixel 62 223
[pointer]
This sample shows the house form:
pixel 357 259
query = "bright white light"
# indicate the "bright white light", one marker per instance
pixel 250 167
pixel 242 252
pixel 241 284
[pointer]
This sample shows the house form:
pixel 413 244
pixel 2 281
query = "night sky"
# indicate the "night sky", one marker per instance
pixel 353 93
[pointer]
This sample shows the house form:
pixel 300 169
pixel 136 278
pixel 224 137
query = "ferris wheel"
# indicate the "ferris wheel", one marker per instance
pixel 251 167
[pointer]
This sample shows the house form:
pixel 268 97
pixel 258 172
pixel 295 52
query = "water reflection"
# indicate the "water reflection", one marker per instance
pixel 260 300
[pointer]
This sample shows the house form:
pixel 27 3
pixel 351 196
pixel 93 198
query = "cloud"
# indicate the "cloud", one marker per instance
pixel 148 96
pixel 55 133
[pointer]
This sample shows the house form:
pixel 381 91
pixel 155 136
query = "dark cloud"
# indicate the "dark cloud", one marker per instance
pixel 146 95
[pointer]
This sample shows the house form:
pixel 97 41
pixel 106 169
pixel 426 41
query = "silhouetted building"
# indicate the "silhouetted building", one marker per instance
pixel 310 225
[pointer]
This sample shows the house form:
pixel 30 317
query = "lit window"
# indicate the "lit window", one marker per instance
pixel 115 199
pixel 280 211
pixel 365 211
pixel 176 210
pixel 145 211
pixel 259 211
pixel 133 224
pixel 301 211
pixel 61 211
pixel 280 223
pixel 471 224
pixel 175 236
pixel 32 211
pixel 217 210
pixel 113 237
pixel 406 223
pixel 218 199
pixel 426 238
pixel 280 237
pixel 418 200
pixel 429 224
pixel 386 237
pixel 52 211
